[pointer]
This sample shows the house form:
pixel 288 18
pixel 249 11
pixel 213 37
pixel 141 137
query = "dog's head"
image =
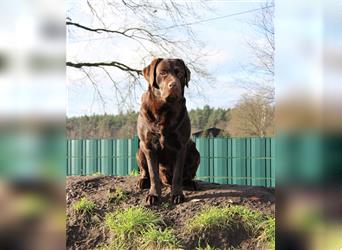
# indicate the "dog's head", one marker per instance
pixel 167 78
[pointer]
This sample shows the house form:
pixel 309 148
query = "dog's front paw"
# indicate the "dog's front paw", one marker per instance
pixel 178 198
pixel 152 199
pixel 144 183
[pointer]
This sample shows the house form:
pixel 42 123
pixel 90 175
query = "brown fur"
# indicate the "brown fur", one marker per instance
pixel 166 154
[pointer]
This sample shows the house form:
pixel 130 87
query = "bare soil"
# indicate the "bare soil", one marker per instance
pixel 87 231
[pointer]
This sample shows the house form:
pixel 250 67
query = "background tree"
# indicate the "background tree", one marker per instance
pixel 252 116
pixel 124 125
pixel 258 77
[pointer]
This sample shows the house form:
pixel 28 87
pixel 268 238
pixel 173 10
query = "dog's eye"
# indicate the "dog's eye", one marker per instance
pixel 163 73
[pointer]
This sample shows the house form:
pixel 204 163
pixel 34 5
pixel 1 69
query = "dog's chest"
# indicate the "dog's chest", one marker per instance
pixel 164 127
pixel 165 119
pixel 164 142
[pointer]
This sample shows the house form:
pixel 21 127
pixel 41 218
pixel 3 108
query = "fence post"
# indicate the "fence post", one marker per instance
pixel 230 160
pixel 273 161
pixel 202 145
pixel 268 162
pixel 239 161
pixel 259 161
pixel 106 156
pixel 122 157
pixel 133 145
pixel 76 157
pixel 114 157
pixel 220 168
pixel 90 157
pixel 68 158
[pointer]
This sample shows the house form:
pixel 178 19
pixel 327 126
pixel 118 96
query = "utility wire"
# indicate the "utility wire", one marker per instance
pixel 214 18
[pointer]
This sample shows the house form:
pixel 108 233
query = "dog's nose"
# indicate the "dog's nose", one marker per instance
pixel 172 85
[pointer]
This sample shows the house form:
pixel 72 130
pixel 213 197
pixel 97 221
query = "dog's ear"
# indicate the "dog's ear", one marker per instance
pixel 149 72
pixel 187 74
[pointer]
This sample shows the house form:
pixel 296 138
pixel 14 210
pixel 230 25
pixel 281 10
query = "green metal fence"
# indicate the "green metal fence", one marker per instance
pixel 242 161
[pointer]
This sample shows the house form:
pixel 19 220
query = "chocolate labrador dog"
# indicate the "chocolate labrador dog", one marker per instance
pixel 166 154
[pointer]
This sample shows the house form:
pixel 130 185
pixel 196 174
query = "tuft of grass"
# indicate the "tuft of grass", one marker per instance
pixel 207 247
pixel 134 172
pixel 255 223
pixel 154 238
pixel 209 217
pixel 84 205
pixel 250 218
pixel 128 223
pixel 226 217
pixel 114 245
pixel 97 174
pixel 267 235
pixel 135 226
pixel 118 195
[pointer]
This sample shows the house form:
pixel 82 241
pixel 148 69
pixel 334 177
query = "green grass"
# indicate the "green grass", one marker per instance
pixel 249 217
pixel 137 228
pixel 84 205
pixel 154 238
pixel 118 195
pixel 207 218
pixel 131 221
pixel 267 236
pixel 97 174
pixel 207 247
pixel 141 228
pixel 115 245
pixel 134 172
pixel 225 218
pixel 255 223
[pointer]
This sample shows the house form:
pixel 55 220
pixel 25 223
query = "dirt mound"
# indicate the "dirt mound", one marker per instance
pixel 86 227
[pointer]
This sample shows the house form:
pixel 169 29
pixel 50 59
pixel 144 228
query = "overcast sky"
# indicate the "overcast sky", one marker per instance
pixel 225 39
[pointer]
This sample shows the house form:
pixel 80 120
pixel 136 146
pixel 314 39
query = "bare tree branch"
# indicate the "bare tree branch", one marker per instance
pixel 97 91
pixel 93 10
pixel 118 92
pixel 129 33
pixel 259 73
pixel 98 64
pixel 143 24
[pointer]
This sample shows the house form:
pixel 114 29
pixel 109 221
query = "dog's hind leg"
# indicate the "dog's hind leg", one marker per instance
pixel 144 180
pixel 192 162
